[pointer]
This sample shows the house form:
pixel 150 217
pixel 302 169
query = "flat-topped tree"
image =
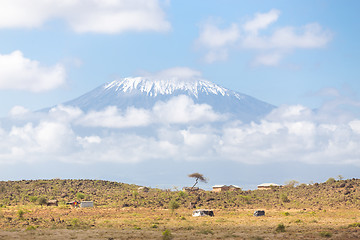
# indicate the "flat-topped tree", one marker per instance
pixel 197 176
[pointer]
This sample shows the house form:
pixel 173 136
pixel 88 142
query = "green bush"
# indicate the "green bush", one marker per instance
pixel 42 200
pixel 33 199
pixel 286 213
pixel 284 197
pixel 354 225
pixel 331 180
pixel 280 228
pixel 30 228
pixel 325 234
pixel 173 204
pixel 20 214
pixel 80 195
pixel 166 235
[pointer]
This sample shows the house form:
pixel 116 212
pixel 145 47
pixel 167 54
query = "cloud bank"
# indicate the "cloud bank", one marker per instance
pixel 270 48
pixel 193 133
pixel 20 73
pixel 107 16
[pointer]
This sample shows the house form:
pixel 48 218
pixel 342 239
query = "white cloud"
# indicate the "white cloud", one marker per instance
pixel 269 48
pixel 183 110
pixel 261 21
pixel 109 16
pixel 213 37
pixel 18 72
pixel 18 111
pixel 217 40
pixel 181 130
pixel 111 117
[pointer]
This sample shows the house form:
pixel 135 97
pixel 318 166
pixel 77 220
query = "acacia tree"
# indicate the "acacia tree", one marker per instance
pixel 197 176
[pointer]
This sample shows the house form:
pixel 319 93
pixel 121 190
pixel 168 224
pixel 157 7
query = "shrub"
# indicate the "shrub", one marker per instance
pixel 286 213
pixel 206 232
pixel 291 183
pixel 330 180
pixel 75 222
pixel 173 204
pixel 354 225
pixel 280 228
pixel 20 214
pixel 284 197
pixel 325 234
pixel 33 199
pixel 166 235
pixel 42 200
pixel 30 228
pixel 80 195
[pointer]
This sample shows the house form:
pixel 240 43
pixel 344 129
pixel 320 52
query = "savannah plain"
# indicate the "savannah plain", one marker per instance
pixel 328 210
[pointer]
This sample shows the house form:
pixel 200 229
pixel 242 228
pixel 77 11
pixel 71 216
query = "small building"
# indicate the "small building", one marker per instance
pixel 234 188
pixel 203 212
pixel 52 203
pixel 85 204
pixel 222 188
pixel 266 186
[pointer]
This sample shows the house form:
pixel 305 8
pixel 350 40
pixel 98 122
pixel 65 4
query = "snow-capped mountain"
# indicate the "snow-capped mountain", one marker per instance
pixel 144 92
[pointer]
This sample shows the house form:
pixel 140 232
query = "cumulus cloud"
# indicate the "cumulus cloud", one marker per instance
pixel 181 130
pixel 261 21
pixel 269 48
pixel 183 110
pixel 108 16
pixel 20 73
pixel 111 117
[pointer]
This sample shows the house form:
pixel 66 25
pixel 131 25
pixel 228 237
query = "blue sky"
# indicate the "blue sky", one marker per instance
pixel 298 55
pixel 90 58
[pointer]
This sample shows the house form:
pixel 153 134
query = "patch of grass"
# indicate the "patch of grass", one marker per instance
pixel 325 234
pixel 166 235
pixel 30 228
pixel 286 213
pixel 20 214
pixel 206 232
pixel 256 238
pixel 284 198
pixel 154 226
pixel 280 228
pixel 354 224
pixel 298 221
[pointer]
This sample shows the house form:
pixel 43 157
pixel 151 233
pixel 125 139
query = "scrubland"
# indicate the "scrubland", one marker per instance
pixel 327 210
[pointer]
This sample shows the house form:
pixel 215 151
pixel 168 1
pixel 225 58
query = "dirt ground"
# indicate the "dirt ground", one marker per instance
pixel 33 222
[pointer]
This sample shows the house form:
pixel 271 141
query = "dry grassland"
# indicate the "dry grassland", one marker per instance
pixel 110 223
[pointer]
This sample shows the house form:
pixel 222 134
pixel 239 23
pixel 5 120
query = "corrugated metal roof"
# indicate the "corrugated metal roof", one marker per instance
pixel 218 186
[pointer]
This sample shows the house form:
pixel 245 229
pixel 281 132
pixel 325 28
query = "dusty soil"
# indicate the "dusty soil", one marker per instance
pixel 133 223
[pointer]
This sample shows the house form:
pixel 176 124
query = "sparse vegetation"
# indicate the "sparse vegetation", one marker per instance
pixel 173 205
pixel 320 210
pixel 280 228
pixel 197 176
pixel 42 201
pixel 166 235
pixel 325 234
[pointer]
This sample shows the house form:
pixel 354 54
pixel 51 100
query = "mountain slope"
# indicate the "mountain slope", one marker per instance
pixel 141 92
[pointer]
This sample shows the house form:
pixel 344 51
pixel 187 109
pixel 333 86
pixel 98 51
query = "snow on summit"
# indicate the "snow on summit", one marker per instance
pixel 154 87
pixel 145 92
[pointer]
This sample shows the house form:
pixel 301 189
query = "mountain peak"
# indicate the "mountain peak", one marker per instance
pixel 166 86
